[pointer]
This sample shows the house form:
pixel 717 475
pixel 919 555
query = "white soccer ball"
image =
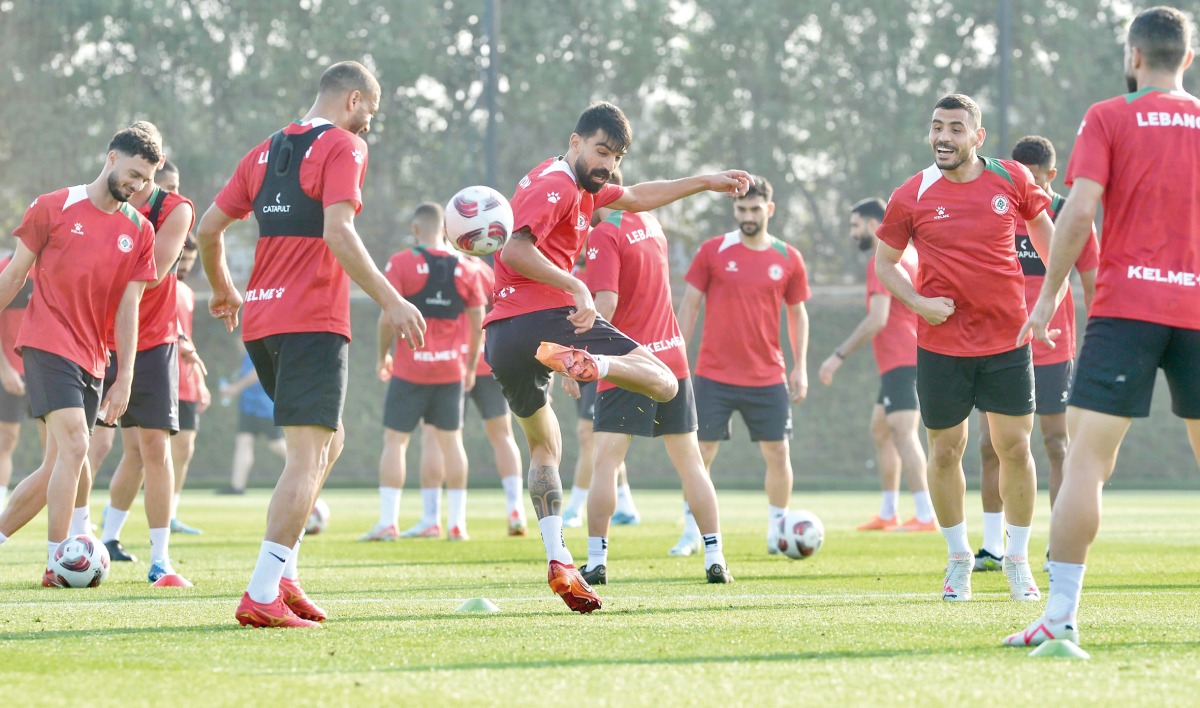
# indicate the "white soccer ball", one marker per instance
pixel 801 534
pixel 478 220
pixel 318 518
pixel 80 562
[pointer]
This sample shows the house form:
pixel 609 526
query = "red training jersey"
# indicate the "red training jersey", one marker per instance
pixel 440 360
pixel 896 344
pixel 189 373
pixel 1142 148
pixel 965 235
pixel 744 290
pixel 558 212
pixel 486 278
pixel 85 259
pixel 10 320
pixel 627 255
pixel 296 284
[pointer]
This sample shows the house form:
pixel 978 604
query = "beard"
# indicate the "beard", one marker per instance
pixel 593 181
pixel 750 228
pixel 114 189
pixel 960 156
pixel 1131 83
pixel 864 243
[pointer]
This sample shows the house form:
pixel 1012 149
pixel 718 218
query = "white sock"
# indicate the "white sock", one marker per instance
pixel 264 583
pixel 512 493
pixel 114 521
pixel 51 547
pixel 159 542
pixel 1016 541
pixel 81 522
pixel 1066 584
pixel 431 505
pixel 389 506
pixel 597 551
pixel 290 571
pixel 625 500
pixel 578 500
pixel 924 506
pixel 775 514
pixel 175 505
pixel 552 539
pixel 712 550
pixel 689 521
pixel 956 538
pixel 457 514
pixel 601 365
pixel 889 506
pixel 3 538
pixel 993 532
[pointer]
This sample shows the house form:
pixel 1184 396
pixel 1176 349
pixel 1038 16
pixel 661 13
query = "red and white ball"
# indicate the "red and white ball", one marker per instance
pixel 80 562
pixel 801 534
pixel 479 220
pixel 318 518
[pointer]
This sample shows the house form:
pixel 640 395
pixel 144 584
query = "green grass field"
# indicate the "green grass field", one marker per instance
pixel 859 624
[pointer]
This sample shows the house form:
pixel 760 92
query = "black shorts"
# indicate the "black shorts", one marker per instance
pixel 257 425
pixel 1120 360
pixel 621 411
pixel 441 405
pixel 512 343
pixel 305 374
pixel 13 409
pixel 189 415
pixel 898 389
pixel 489 399
pixel 950 386
pixel 766 410
pixel 54 383
pixel 585 405
pixel 1051 384
pixel 154 396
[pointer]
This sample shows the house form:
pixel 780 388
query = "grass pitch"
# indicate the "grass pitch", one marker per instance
pixel 860 623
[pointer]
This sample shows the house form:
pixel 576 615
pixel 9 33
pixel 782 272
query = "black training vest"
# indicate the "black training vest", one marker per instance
pixel 281 207
pixel 1031 264
pixel 439 298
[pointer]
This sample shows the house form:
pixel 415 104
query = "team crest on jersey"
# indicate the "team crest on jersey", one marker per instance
pixel 581 223
pixel 775 271
pixel 125 243
pixel 1000 204
pixel 525 182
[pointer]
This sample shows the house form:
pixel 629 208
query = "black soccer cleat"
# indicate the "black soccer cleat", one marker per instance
pixel 117 553
pixel 717 574
pixel 595 576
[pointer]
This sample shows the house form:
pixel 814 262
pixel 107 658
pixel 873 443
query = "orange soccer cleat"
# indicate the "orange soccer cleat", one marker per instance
pixel 568 361
pixel 565 580
pixel 516 523
pixel 878 523
pixel 50 580
pixel 271 614
pixel 914 525
pixel 293 596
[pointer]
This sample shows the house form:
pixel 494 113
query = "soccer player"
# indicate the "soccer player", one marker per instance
pixel 743 279
pixel 94 254
pixel 304 187
pixel 585 411
pixel 428 383
pixel 1051 366
pixel 628 273
pixel 256 417
pixel 1137 154
pixel 891 329
pixel 14 399
pixel 544 319
pixel 194 396
pixel 961 215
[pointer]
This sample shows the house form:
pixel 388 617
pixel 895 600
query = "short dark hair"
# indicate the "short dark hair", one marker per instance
pixel 141 139
pixel 1164 35
pixel 189 243
pixel 1034 151
pixel 429 215
pixel 605 116
pixel 759 187
pixel 346 76
pixel 871 208
pixel 961 101
pixel 168 166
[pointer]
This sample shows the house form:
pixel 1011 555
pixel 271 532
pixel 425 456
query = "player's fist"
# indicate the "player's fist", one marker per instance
pixel 731 183
pixel 828 368
pixel 224 305
pixel 407 322
pixel 935 310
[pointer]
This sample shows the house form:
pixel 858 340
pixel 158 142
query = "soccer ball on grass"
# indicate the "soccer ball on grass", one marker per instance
pixel 318 518
pixel 801 534
pixel 80 562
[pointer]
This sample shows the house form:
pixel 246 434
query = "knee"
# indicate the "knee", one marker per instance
pixel 881 434
pixel 8 440
pixel 776 453
pixel 665 388
pixel 946 456
pixel 73 446
pixel 1056 445
pixel 1012 449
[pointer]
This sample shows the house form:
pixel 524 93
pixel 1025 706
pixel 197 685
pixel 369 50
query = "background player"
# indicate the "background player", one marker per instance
pixel 194 396
pixel 14 399
pixel 256 418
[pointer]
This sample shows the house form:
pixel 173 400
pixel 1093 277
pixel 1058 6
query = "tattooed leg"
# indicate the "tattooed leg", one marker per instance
pixel 545 489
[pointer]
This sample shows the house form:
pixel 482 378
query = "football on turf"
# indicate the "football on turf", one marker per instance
pixel 478 220
pixel 80 562
pixel 800 534
pixel 318 518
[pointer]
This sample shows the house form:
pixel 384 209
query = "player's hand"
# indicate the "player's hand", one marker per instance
pixel 584 315
pixel 731 183
pixel 383 367
pixel 829 367
pixel 116 400
pixel 12 382
pixel 1037 324
pixel 570 387
pixel 798 384
pixel 407 322
pixel 193 358
pixel 224 305
pixel 469 381
pixel 205 399
pixel 934 310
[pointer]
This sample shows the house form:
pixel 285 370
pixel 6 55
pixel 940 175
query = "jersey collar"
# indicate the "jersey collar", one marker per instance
pixel 560 165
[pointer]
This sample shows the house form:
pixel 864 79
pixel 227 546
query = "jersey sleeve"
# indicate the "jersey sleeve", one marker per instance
pixel 896 229
pixel 540 206
pixel 1089 258
pixel 236 198
pixel 34 230
pixel 392 272
pixel 1032 199
pixel 145 268
pixel 699 273
pixel 797 286
pixel 1091 158
pixel 344 172
pixel 604 260
pixel 608 194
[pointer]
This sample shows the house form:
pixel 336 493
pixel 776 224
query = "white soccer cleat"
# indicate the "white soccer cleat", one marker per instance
pixel 1043 630
pixel 1021 585
pixel 381 532
pixel 688 544
pixel 423 530
pixel 957 585
pixel 571 519
pixel 773 538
